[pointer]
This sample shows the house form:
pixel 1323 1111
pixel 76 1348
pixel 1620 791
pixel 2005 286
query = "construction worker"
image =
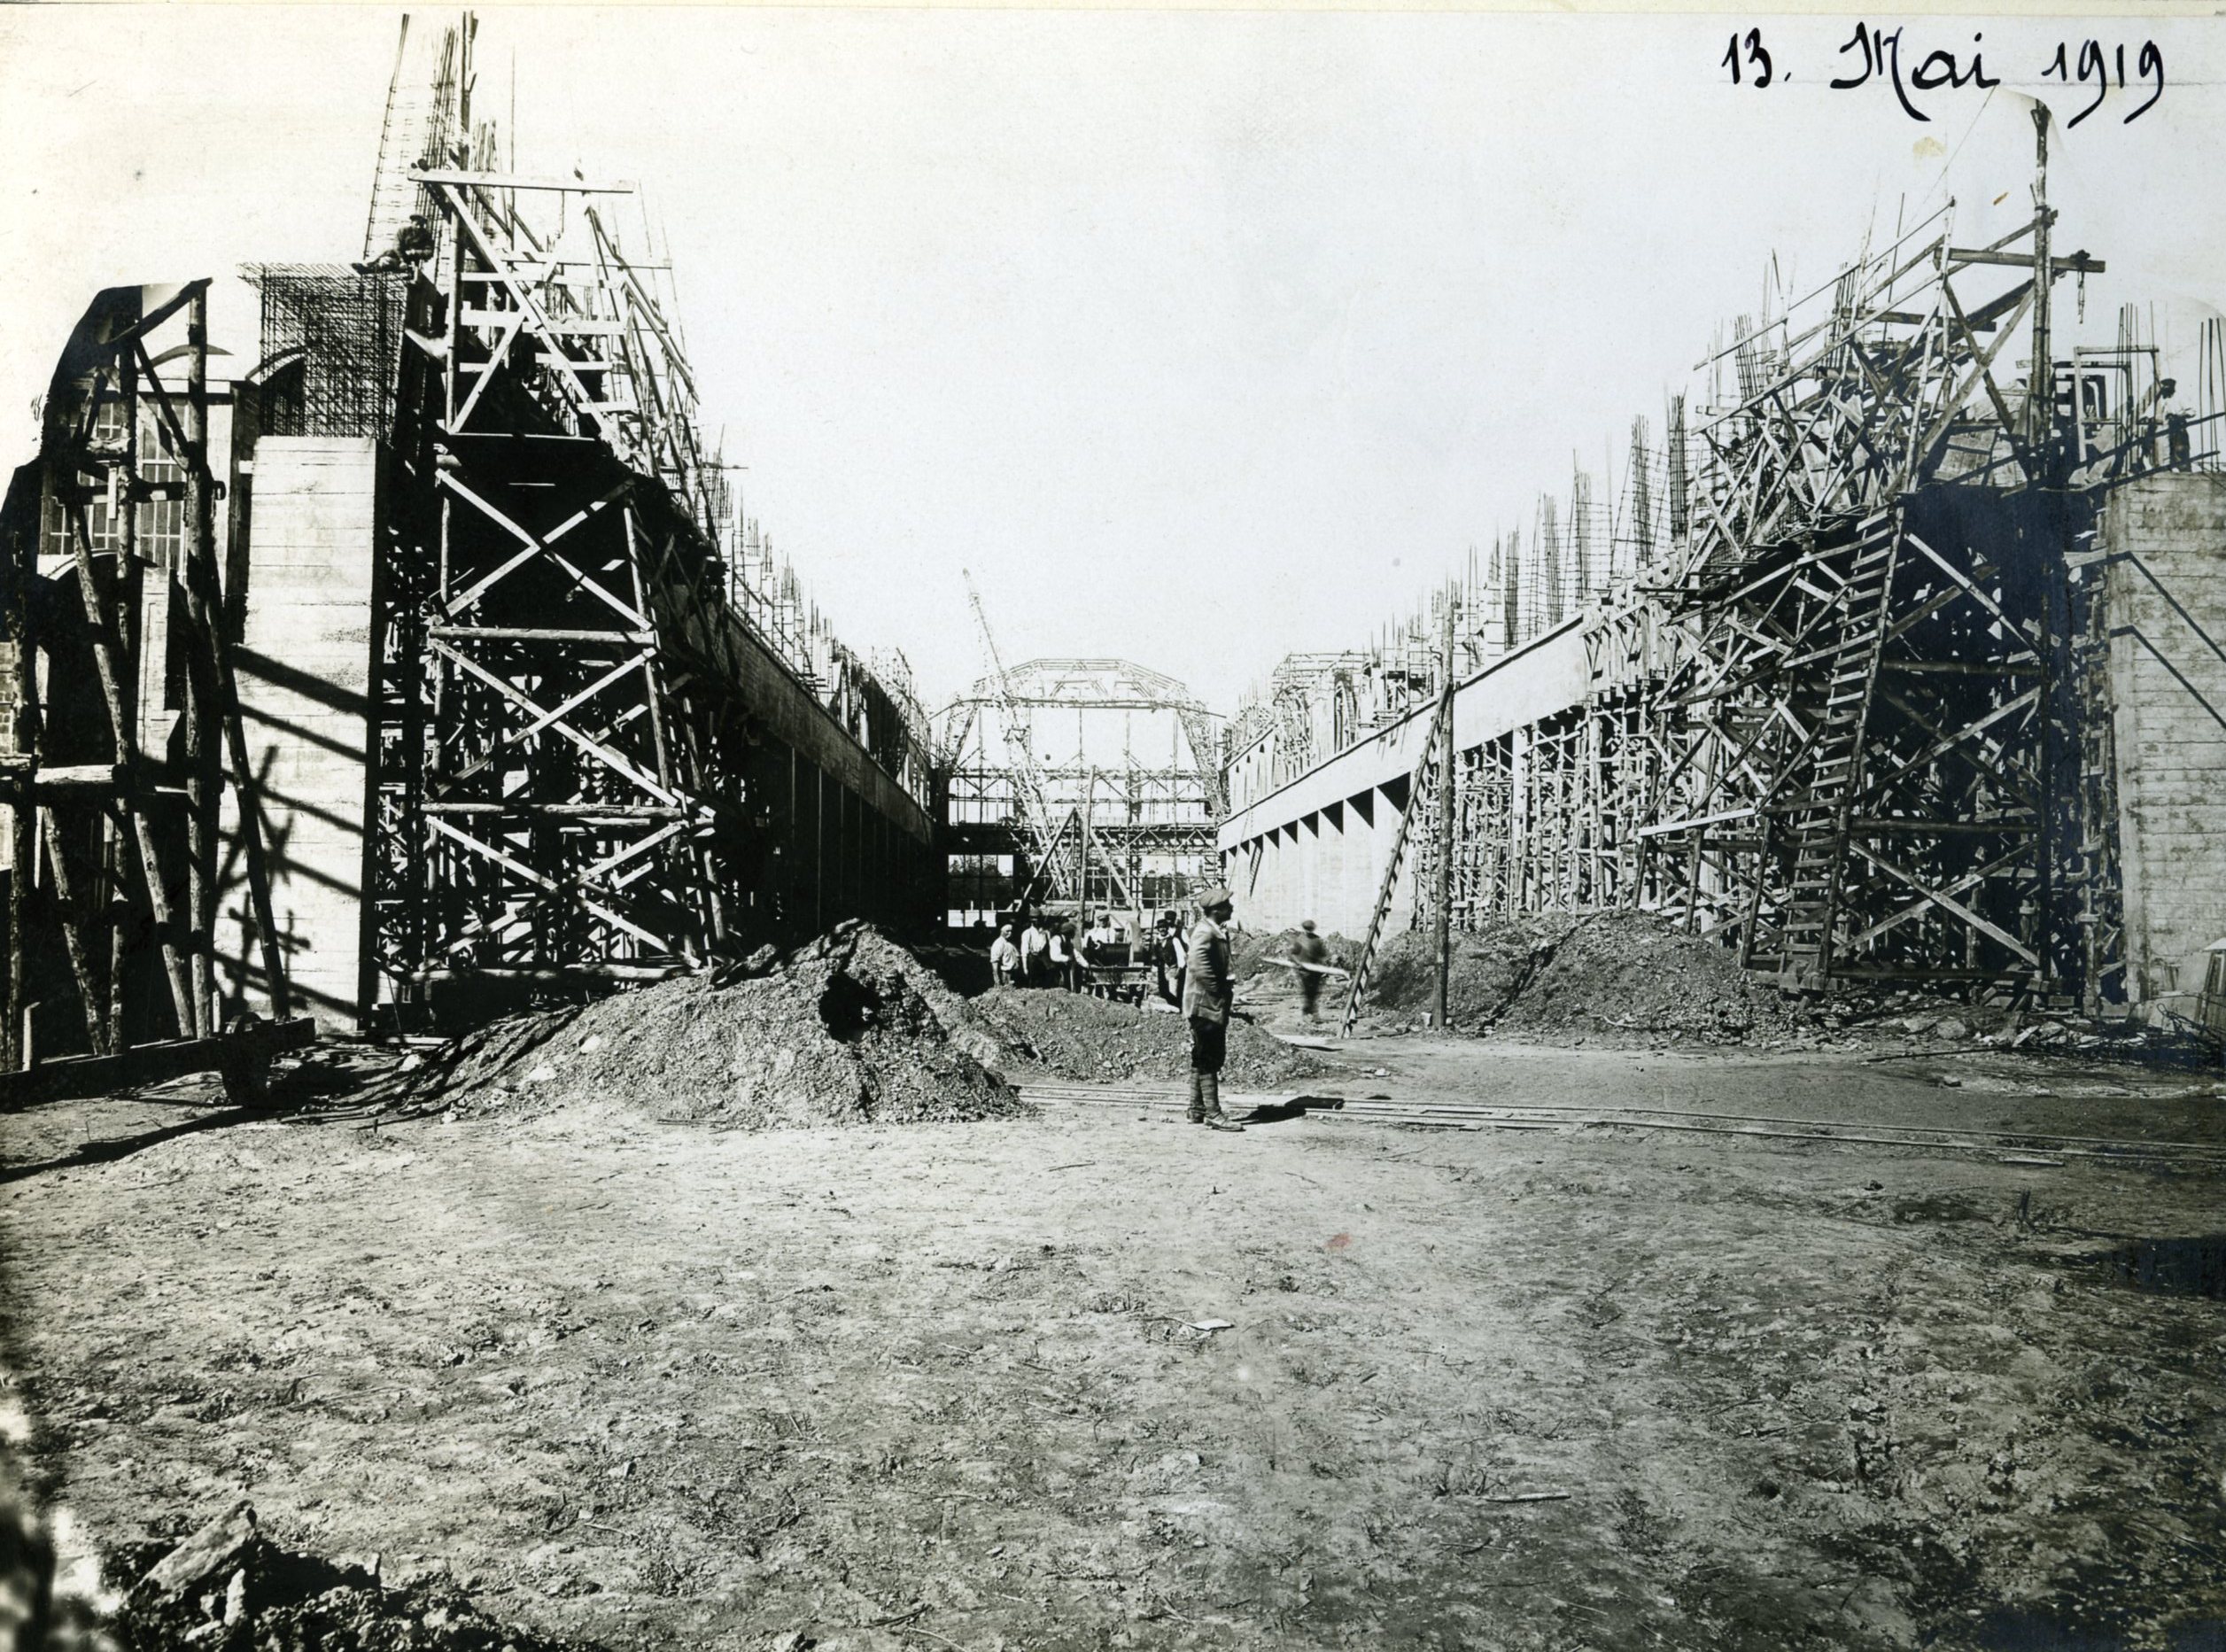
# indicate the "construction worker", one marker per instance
pixel 1034 943
pixel 1100 944
pixel 1309 948
pixel 1085 951
pixel 1061 953
pixel 1004 957
pixel 1209 993
pixel 1167 958
pixel 1105 939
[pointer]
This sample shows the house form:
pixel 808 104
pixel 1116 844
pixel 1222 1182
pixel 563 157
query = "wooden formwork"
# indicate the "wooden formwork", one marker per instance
pixel 126 727
pixel 1851 714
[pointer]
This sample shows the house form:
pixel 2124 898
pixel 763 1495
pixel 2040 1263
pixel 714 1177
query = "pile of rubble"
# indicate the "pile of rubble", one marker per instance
pixel 1626 972
pixel 849 1029
pixel 230 1587
pixel 1921 1015
pixel 1490 968
pixel 1636 975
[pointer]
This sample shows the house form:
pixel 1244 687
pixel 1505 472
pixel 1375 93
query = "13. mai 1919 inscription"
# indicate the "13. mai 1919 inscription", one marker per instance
pixel 1874 56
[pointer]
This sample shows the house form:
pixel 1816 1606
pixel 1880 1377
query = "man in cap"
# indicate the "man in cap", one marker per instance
pixel 1209 993
pixel 1034 943
pixel 1311 953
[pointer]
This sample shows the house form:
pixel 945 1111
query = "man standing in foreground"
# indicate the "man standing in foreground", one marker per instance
pixel 1209 993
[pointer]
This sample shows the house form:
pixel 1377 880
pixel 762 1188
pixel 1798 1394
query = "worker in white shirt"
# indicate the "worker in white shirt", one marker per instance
pixel 1172 957
pixel 1004 957
pixel 1104 939
pixel 1035 945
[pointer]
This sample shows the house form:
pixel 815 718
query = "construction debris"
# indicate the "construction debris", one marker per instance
pixel 849 1029
pixel 1621 971
pixel 229 1585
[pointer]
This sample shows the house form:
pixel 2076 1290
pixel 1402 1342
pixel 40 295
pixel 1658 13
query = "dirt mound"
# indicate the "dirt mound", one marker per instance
pixel 1071 1036
pixel 1620 972
pixel 1634 973
pixel 1490 968
pixel 849 1029
pixel 229 1585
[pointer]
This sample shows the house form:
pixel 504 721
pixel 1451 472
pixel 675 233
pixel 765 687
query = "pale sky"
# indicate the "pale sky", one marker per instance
pixel 1200 337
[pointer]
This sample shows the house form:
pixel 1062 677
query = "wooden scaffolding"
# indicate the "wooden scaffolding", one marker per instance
pixel 1846 705
pixel 126 732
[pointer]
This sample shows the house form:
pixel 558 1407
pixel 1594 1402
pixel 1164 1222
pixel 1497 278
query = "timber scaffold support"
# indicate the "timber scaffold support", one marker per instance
pixel 562 734
pixel 116 817
pixel 1850 671
pixel 1846 712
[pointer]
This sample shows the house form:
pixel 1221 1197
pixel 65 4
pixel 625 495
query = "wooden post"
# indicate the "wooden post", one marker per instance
pixel 213 686
pixel 22 849
pixel 2040 384
pixel 75 925
pixel 202 776
pixel 22 846
pixel 123 725
pixel 110 883
pixel 1444 912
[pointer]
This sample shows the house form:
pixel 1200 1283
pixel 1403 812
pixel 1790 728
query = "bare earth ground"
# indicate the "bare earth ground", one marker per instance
pixel 935 1385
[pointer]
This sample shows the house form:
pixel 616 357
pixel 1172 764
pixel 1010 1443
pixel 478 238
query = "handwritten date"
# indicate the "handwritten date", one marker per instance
pixel 1874 55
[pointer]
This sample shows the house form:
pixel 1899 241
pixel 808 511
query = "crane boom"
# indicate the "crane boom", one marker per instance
pixel 1034 806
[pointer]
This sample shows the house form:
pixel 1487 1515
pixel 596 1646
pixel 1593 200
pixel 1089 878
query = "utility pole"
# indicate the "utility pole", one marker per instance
pixel 1443 914
pixel 1082 848
pixel 2040 401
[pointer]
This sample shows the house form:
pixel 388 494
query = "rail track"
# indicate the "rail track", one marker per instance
pixel 2026 1147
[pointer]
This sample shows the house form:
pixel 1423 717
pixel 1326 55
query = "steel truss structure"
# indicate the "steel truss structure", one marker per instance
pixel 563 743
pixel 1115 826
pixel 1849 713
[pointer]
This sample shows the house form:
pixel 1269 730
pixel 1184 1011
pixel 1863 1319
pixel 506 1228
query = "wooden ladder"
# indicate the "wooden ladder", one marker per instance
pixel 1440 729
pixel 1815 820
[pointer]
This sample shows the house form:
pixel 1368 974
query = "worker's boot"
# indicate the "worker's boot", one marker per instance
pixel 1197 1097
pixel 1211 1084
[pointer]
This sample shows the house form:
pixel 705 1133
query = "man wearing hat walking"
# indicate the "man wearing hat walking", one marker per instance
pixel 1209 993
pixel 1311 953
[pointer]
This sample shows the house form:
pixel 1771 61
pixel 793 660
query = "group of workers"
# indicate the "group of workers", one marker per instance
pixel 1194 972
pixel 1060 953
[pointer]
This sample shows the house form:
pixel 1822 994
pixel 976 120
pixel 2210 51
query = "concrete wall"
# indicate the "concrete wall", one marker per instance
pixel 305 670
pixel 2165 591
pixel 1316 847
pixel 839 854
pixel 795 721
